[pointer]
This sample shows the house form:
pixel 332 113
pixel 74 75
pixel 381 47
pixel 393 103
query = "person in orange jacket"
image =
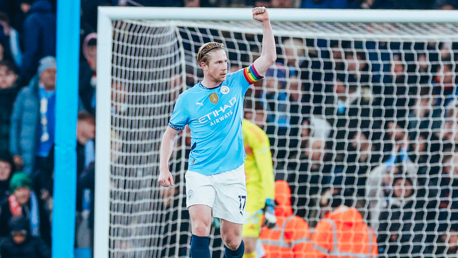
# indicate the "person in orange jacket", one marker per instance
pixel 343 232
pixel 290 236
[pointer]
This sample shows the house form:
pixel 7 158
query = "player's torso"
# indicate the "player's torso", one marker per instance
pixel 215 123
pixel 213 111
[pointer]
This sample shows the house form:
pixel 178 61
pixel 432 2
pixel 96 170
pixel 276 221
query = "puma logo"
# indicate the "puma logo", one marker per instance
pixel 198 103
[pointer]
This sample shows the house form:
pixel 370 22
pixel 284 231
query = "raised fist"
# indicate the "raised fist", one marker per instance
pixel 260 14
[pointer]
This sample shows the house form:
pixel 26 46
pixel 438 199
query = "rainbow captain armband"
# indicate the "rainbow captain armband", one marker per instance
pixel 251 75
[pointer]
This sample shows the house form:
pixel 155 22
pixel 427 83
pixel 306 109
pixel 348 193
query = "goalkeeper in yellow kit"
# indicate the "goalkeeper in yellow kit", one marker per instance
pixel 259 184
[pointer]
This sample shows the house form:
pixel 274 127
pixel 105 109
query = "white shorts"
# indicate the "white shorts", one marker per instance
pixel 225 193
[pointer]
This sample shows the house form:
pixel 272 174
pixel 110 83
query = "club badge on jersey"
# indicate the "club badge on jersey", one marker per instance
pixel 225 90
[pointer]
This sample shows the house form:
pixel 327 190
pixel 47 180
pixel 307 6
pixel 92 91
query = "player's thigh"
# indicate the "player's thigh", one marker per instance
pixel 231 195
pixel 201 218
pixel 200 212
pixel 200 198
pixel 252 223
pixel 199 190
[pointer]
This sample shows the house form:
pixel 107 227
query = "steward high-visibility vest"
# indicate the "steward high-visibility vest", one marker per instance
pixel 335 250
pixel 277 245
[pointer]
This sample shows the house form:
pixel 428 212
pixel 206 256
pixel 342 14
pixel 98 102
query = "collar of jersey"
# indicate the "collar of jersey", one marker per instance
pixel 203 87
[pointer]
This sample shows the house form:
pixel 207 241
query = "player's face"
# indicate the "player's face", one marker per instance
pixel 217 67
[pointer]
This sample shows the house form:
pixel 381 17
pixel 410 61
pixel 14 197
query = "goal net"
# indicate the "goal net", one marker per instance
pixel 366 111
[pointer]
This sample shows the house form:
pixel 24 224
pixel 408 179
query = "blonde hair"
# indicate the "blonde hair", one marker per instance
pixel 204 51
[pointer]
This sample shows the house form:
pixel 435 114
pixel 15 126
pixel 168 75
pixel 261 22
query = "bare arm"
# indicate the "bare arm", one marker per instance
pixel 168 141
pixel 269 51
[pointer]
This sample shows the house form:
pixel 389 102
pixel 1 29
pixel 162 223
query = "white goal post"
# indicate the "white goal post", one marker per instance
pixel 107 16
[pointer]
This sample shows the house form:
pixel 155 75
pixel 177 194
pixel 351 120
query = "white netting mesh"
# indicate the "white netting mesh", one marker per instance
pixel 365 110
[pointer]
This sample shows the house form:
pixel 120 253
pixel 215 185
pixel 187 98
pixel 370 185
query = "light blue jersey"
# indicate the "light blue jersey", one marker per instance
pixel 215 118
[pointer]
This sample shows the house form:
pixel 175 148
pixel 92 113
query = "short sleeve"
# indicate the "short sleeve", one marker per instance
pixel 245 77
pixel 180 116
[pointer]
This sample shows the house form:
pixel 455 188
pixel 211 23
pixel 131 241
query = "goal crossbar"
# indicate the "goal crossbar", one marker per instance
pixel 304 15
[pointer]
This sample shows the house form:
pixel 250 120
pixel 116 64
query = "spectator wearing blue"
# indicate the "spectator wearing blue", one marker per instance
pixel 24 202
pixel 39 37
pixel 33 120
pixel 326 4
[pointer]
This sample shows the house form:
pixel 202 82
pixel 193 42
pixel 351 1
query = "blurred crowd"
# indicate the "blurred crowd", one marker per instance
pixel 27 125
pixel 375 121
